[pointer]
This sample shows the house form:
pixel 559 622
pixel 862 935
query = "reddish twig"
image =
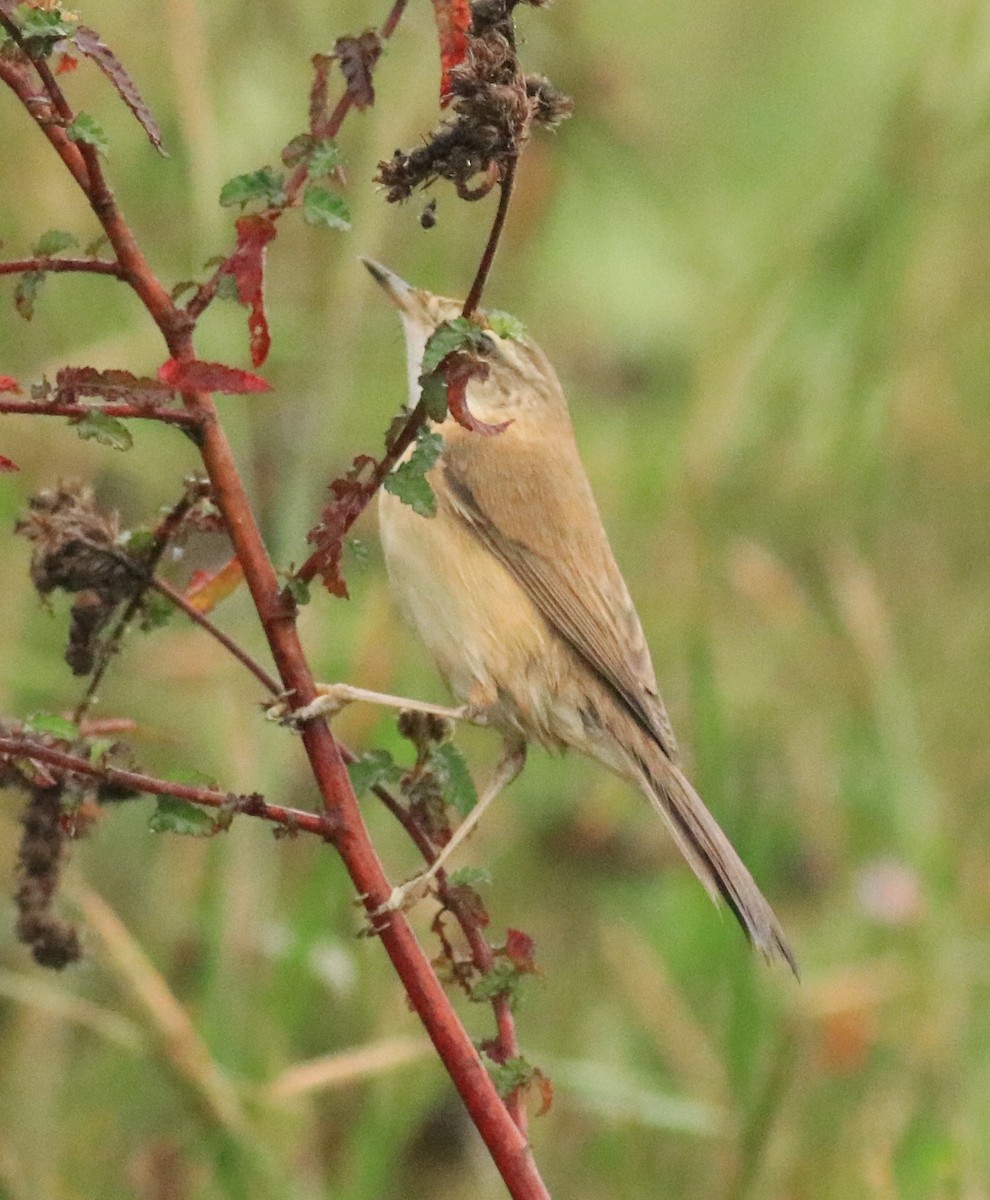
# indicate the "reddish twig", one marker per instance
pixel 494 237
pixel 90 266
pixel 228 643
pixel 255 806
pixel 78 412
pixel 344 825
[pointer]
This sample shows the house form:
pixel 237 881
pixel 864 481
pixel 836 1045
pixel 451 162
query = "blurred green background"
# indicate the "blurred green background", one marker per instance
pixel 759 257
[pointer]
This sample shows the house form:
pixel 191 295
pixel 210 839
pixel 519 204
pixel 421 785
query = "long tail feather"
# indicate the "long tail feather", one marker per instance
pixel 711 855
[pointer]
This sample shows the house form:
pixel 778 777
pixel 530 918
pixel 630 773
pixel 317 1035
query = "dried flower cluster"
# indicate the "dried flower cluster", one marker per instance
pixel 495 105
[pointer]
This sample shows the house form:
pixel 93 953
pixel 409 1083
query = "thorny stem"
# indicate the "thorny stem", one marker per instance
pixel 344 824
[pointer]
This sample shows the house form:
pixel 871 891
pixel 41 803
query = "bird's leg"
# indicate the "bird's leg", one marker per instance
pixel 509 765
pixel 332 697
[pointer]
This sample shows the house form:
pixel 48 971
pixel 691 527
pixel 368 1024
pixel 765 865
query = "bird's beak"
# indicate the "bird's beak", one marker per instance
pixel 402 294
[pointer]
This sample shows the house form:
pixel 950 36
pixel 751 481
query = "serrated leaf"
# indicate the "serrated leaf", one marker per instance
pixel 434 396
pixel 323 158
pixel 172 815
pixel 52 723
pixel 96 49
pixel 457 334
pixel 106 430
pixel 53 242
pixel 372 769
pixel 87 129
pixel 506 325
pixel 41 25
pixel 454 777
pixel 265 185
pixel 322 207
pixel 26 293
pixel 408 481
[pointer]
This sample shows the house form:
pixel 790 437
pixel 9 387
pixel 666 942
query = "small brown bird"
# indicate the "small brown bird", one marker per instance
pixel 513 588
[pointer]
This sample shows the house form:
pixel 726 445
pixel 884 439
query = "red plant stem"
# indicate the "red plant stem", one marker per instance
pixel 77 412
pixel 204 622
pixel 505 1142
pixel 91 266
pixel 73 764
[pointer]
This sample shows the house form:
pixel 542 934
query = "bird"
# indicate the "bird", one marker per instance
pixel 513 588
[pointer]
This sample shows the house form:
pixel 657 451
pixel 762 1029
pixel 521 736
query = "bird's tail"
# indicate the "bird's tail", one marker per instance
pixel 710 853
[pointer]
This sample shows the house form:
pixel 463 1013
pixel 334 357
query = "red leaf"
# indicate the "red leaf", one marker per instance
pixel 453 18
pixel 66 63
pixel 357 62
pixel 318 92
pixel 458 370
pixel 94 47
pixel 7 464
pixel 519 950
pixel 247 265
pixel 194 375
pixel 9 384
pixel 73 382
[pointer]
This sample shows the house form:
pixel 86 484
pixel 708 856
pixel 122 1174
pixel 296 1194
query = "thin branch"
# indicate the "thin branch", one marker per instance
pixel 78 412
pixel 254 806
pixel 89 266
pixel 228 643
pixel 488 258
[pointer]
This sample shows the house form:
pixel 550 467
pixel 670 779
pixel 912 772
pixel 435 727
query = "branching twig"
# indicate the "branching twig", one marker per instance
pixel 21 747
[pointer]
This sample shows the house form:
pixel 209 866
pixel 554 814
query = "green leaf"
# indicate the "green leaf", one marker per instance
pixel 472 877
pixel 138 542
pixel 156 611
pixel 39 25
pixel 506 325
pixel 26 292
pixel 458 334
pixel 502 980
pixel 54 241
pixel 454 777
pixel 513 1073
pixel 323 158
pixel 321 207
pixel 52 723
pixel 298 589
pixel 371 769
pixel 108 431
pixel 264 185
pixel 99 747
pixel 87 129
pixel 434 396
pixel 172 815
pixel 408 481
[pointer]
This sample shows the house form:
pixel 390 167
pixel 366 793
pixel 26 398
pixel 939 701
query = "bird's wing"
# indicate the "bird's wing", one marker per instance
pixel 543 525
